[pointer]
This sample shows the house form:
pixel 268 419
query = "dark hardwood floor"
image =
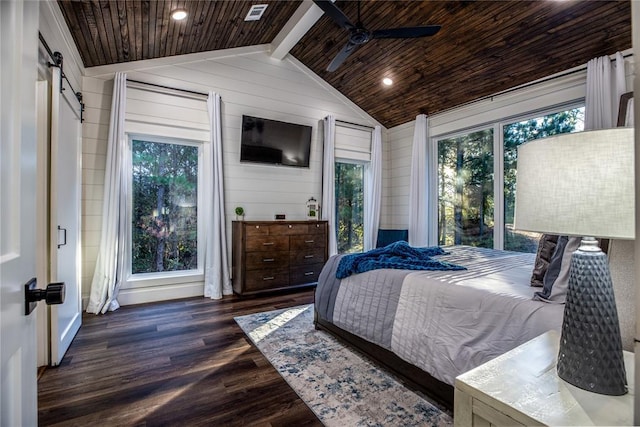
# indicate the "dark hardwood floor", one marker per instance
pixel 183 362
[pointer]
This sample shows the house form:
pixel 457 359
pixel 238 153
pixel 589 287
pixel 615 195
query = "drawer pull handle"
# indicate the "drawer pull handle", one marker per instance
pixel 268 260
pixel 309 273
pixel 268 278
pixel 309 241
pixel 267 244
pixel 257 226
pixel 290 226
pixel 308 256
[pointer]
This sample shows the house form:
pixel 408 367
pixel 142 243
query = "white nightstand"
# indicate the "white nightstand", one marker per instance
pixel 521 387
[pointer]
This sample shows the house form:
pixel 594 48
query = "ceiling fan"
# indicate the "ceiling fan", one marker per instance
pixel 359 35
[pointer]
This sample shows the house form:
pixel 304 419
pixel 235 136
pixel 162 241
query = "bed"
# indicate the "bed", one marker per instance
pixel 430 326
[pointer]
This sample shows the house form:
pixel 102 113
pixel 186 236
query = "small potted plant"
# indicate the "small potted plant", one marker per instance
pixel 239 213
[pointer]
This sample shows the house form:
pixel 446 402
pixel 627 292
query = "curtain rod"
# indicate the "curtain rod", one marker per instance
pixel 354 124
pixel 193 92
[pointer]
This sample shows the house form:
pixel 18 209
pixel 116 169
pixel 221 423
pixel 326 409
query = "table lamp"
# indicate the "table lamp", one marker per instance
pixel 582 184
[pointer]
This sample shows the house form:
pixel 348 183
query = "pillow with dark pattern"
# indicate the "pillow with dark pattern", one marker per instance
pixel 546 248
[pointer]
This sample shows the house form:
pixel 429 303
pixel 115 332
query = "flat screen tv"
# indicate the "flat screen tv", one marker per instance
pixel 275 142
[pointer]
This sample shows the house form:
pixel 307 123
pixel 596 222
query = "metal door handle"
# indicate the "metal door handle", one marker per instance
pixel 64 234
pixel 54 294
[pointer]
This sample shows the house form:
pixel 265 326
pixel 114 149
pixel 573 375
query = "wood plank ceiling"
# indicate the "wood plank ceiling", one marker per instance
pixel 484 47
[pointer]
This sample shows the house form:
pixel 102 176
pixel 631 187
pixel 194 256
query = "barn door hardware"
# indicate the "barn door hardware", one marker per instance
pixel 58 62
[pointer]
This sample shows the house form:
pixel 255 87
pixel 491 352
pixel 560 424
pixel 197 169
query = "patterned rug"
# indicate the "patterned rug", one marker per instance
pixel 340 386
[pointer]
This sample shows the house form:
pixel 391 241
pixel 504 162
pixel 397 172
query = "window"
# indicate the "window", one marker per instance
pixel 476 190
pixel 465 189
pixel 349 181
pixel 164 206
pixel 515 134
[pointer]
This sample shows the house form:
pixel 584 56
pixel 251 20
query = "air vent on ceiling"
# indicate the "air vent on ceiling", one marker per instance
pixel 255 13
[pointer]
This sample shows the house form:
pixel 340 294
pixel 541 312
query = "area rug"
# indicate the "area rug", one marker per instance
pixel 341 386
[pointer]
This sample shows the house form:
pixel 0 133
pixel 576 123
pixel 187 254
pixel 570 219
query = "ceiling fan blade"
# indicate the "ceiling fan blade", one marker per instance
pixel 340 57
pixel 406 32
pixel 334 13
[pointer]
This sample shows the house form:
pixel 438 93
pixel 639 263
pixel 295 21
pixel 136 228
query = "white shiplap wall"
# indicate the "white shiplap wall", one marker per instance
pixel 250 82
pixel 396 173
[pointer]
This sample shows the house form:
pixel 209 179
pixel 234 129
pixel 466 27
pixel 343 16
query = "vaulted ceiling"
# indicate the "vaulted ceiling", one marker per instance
pixel 484 47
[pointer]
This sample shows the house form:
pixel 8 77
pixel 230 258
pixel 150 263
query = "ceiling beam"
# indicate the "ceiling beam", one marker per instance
pixel 300 22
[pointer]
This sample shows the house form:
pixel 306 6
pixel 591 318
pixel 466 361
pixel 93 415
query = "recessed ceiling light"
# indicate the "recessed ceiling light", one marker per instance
pixel 179 14
pixel 387 81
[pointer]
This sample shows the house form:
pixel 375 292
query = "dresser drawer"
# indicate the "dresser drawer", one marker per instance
pixel 256 230
pixel 267 243
pixel 306 242
pixel 266 279
pixel 319 228
pixel 307 256
pixel 287 229
pixel 264 260
pixel 305 274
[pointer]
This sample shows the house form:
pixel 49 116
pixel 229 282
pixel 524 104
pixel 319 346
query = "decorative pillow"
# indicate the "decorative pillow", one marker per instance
pixel 546 248
pixel 556 280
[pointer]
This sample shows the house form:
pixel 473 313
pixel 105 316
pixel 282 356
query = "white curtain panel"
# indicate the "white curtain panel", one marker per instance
pixel 217 280
pixel 374 191
pixel 329 181
pixel 110 264
pixel 419 185
pixel 605 84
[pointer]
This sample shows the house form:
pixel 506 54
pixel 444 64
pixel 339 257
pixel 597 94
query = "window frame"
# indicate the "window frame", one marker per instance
pixel 498 164
pixel 164 278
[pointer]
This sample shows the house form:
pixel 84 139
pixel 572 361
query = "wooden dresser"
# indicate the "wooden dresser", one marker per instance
pixel 274 255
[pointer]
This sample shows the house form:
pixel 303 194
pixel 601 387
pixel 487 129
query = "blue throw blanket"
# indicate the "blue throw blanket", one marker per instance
pixel 398 255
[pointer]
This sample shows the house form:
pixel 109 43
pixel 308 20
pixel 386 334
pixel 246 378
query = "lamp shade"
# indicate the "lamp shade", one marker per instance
pixel 578 184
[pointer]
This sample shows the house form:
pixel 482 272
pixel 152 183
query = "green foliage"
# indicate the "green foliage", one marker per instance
pixel 465 181
pixel 164 211
pixel 516 134
pixel 349 182
pixel 465 170
pixel 239 211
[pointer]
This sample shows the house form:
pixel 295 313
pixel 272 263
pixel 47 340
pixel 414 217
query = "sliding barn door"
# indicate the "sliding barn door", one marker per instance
pixel 66 169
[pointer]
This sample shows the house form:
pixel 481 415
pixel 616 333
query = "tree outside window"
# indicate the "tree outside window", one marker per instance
pixel 164 216
pixel 465 189
pixel 518 133
pixel 349 182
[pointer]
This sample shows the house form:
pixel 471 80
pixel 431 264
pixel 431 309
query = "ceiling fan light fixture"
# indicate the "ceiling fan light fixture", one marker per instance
pixel 387 81
pixel 179 14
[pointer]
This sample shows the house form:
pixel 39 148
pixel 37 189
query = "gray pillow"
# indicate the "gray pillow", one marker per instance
pixel 546 248
pixel 556 280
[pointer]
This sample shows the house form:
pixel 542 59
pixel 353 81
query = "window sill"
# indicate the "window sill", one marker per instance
pixel 161 279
